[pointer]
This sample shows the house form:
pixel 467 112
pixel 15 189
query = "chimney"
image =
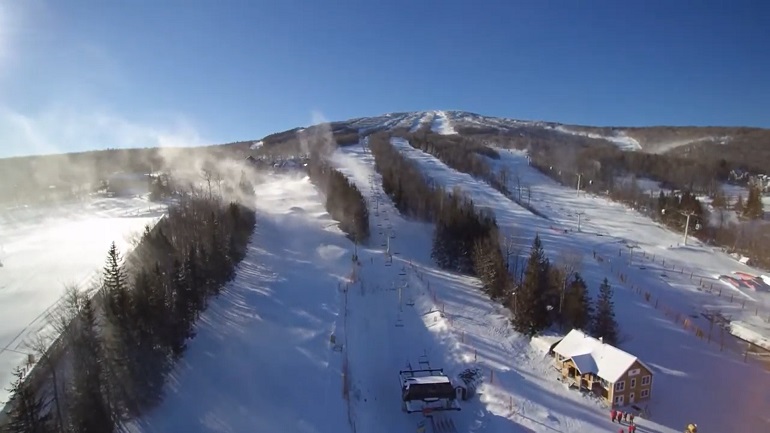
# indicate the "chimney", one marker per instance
pixel 601 339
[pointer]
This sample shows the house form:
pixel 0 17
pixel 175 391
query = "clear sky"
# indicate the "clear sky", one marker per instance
pixel 84 74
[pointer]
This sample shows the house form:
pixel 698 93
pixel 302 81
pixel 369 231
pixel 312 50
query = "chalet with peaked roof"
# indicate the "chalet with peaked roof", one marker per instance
pixel 612 374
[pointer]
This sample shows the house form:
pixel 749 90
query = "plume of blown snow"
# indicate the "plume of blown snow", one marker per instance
pixel 317 139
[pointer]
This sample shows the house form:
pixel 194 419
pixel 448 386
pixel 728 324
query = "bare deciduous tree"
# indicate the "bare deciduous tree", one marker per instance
pixel 569 262
pixel 40 345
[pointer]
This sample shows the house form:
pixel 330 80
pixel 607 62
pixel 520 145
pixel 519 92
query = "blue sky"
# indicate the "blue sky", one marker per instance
pixel 84 74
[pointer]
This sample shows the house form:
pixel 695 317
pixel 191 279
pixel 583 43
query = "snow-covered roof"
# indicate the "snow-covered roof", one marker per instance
pixel 591 355
pixel 424 380
pixel 585 363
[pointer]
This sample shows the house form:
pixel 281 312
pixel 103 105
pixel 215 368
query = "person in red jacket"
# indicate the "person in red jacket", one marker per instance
pixel 632 428
pixel 613 414
pixel 620 417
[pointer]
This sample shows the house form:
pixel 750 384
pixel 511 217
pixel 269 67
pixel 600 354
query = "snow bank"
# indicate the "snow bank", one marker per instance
pixel 747 332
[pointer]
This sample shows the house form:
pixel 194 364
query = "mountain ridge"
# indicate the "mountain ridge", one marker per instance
pixel 649 139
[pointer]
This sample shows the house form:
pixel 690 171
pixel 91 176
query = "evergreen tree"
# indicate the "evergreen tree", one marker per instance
pixel 441 250
pixel 149 360
pixel 531 305
pixel 577 310
pixel 753 207
pixel 739 205
pixel 25 410
pixel 720 200
pixel 604 324
pixel 91 411
pixel 115 287
pixel 489 266
pixel 121 340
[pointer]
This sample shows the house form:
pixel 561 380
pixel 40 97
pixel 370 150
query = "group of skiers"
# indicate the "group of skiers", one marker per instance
pixel 621 416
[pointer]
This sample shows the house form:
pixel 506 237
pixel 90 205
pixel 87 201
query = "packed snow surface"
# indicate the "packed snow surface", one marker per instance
pixel 441 124
pixel 45 248
pixel 619 138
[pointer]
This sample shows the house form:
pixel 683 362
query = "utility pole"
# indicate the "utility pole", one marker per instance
pixel 688 214
pixel 577 190
pixel 630 253
pixel 579 214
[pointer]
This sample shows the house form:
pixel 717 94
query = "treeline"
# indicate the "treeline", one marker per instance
pixel 556 294
pixel 731 225
pixel 467 240
pixel 460 153
pixel 463 155
pixel 122 339
pixel 464 239
pixel 344 201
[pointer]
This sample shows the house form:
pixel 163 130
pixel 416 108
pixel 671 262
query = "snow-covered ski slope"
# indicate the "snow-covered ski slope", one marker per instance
pixel 620 139
pixel 43 248
pixel 263 359
pixel 446 122
pixel 687 274
pixel 694 381
pixel 441 124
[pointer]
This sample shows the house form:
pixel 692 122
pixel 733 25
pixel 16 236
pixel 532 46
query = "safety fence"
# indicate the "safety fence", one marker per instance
pixel 706 283
pixel 717 334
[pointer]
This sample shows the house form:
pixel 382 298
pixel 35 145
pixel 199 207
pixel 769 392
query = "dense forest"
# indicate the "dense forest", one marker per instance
pixel 343 200
pixel 118 342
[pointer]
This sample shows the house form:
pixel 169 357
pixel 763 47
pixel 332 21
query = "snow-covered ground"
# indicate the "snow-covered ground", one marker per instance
pixel 441 124
pixel 680 394
pixel 677 270
pixel 421 121
pixel 263 359
pixel 44 248
pixel 619 138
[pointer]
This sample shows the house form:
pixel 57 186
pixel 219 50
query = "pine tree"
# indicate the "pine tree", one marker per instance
pixel 115 288
pixel 530 301
pixel 738 206
pixel 753 206
pixel 604 324
pixel 25 410
pixel 578 310
pixel 90 409
pixel 121 340
pixel 440 252
pixel 720 200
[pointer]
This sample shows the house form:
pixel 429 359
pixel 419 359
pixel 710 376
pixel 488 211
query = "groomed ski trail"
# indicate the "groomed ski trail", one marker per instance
pixel 262 359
